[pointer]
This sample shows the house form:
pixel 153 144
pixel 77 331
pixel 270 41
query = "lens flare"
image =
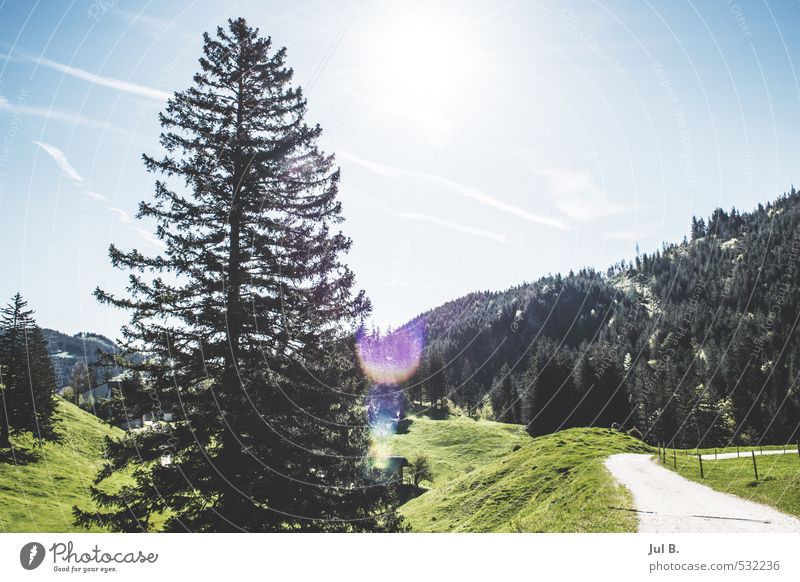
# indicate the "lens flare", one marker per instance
pixel 393 358
pixel 379 451
pixel 384 410
pixel 388 361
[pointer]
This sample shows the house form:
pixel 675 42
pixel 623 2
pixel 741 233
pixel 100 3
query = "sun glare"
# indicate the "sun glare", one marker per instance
pixel 422 64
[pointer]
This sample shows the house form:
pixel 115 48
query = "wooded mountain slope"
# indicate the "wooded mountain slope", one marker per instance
pixel 693 344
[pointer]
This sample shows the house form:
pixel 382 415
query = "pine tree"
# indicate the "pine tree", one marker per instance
pixel 504 398
pixel 245 320
pixel 79 379
pixel 437 383
pixel 129 400
pixel 550 396
pixel 5 418
pixel 698 229
pixel 466 395
pixel 600 381
pixel 28 393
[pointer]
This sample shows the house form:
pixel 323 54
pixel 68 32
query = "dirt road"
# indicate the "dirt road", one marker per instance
pixel 668 503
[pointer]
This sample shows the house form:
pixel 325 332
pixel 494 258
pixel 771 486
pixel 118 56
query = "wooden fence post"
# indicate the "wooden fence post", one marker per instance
pixel 737 452
pixel 715 454
pixel 700 458
pixel 674 459
pixel 755 467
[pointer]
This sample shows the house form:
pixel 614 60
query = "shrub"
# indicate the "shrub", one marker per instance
pixel 421 470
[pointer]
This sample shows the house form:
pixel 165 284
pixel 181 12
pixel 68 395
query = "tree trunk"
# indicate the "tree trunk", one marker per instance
pixel 233 502
pixel 5 442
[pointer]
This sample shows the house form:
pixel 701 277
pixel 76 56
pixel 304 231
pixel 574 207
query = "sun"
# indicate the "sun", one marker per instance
pixel 422 62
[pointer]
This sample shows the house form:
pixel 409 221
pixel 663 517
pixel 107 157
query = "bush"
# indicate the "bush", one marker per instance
pixel 421 470
pixel 69 394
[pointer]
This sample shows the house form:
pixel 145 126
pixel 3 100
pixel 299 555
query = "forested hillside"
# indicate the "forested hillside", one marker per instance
pixel 67 350
pixel 692 344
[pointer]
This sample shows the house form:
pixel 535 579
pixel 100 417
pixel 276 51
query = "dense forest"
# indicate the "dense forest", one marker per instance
pixel 693 344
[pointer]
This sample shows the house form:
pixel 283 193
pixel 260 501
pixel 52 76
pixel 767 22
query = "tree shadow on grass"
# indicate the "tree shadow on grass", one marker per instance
pixel 17 456
pixel 433 413
pixel 409 492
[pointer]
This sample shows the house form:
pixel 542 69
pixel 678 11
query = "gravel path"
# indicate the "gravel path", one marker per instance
pixel 668 503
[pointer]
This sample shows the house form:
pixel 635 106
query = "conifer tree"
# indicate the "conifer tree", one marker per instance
pixel 79 379
pixel 245 321
pixel 28 393
pixel 129 400
pixel 505 400
pixel 437 384
pixel 549 396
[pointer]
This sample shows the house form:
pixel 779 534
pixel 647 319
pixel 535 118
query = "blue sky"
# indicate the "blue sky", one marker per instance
pixel 482 144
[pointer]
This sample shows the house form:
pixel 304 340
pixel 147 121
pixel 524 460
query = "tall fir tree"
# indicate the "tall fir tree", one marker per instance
pixel 245 320
pixel 550 396
pixel 504 397
pixel 436 387
pixel 27 402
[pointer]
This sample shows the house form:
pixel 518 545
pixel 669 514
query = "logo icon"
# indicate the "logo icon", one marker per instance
pixel 31 555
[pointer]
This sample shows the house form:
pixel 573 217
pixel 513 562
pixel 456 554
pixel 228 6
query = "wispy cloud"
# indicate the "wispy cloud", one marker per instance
pixel 150 238
pixel 578 196
pixel 95 196
pixel 451 185
pixel 68 170
pixel 121 214
pixel 61 160
pixel 453 225
pixel 154 26
pixel 110 82
pixel 53 114
pixel 378 205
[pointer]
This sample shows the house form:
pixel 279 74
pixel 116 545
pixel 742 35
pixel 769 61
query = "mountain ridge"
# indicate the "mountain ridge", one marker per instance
pixel 691 334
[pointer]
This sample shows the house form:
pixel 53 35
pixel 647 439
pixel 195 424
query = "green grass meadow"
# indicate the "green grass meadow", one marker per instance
pixel 554 483
pixel 778 483
pixel 743 450
pixel 488 477
pixel 38 490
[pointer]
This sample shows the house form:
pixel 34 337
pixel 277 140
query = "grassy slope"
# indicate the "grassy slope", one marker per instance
pixel 458 445
pixel 38 494
pixel 778 484
pixel 555 483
